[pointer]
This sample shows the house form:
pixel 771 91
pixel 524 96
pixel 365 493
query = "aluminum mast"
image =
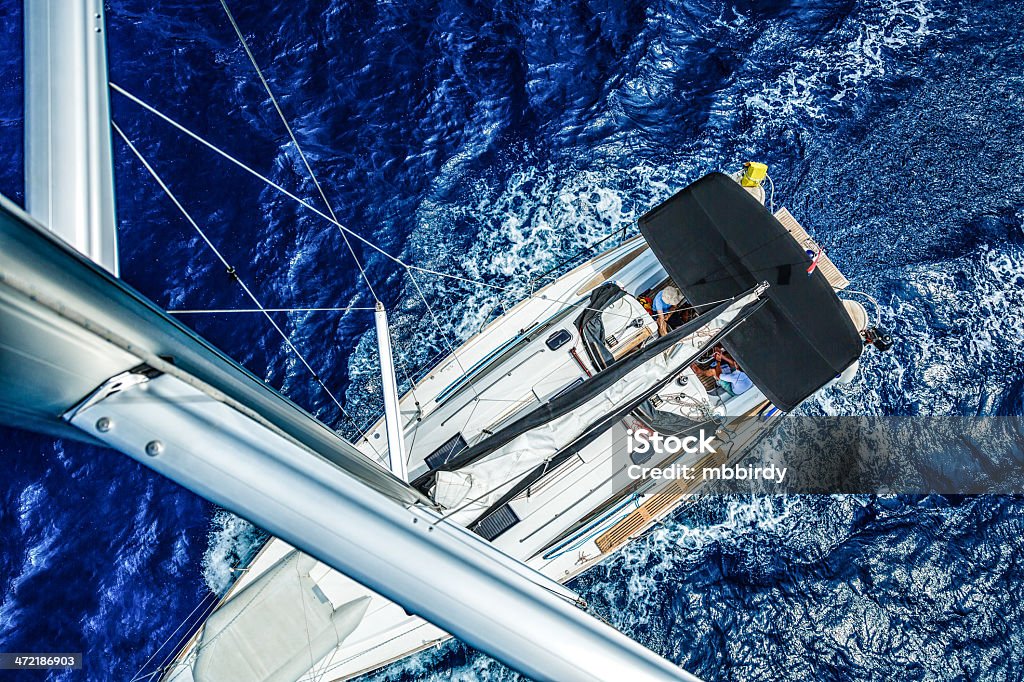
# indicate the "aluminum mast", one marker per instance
pixel 69 184
pixel 84 355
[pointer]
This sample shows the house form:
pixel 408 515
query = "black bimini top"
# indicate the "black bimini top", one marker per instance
pixel 717 241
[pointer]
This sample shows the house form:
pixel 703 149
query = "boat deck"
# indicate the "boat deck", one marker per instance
pixel 799 234
pixel 507 365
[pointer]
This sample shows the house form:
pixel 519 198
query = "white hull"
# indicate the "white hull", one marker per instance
pixel 498 373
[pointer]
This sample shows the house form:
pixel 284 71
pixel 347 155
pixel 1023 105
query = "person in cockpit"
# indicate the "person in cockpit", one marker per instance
pixel 664 304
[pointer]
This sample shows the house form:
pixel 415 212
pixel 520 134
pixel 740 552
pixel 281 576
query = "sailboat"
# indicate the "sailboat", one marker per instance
pixel 519 435
pixel 496 478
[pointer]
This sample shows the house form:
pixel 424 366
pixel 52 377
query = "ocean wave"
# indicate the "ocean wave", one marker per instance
pixel 232 541
pixel 867 42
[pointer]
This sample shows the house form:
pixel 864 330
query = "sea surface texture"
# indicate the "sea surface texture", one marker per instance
pixel 490 141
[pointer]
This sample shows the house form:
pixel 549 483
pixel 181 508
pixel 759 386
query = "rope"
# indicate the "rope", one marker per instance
pixel 874 302
pixel 298 147
pixel 230 270
pixel 261 310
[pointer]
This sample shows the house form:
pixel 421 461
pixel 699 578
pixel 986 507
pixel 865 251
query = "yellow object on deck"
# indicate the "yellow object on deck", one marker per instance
pixel 753 174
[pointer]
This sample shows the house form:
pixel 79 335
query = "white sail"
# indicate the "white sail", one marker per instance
pixel 274 630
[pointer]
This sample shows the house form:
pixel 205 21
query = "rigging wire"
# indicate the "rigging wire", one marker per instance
pixel 268 575
pixel 206 608
pixel 212 311
pixel 395 259
pixel 298 147
pixel 316 182
pixel 346 231
pixel 415 398
pixel 355 235
pixel 444 338
pixel 198 138
pixel 231 271
pixel 185 638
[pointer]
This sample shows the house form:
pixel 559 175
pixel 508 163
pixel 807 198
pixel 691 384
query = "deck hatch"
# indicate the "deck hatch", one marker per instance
pixel 568 387
pixel 496 523
pixel 558 339
pixel 448 449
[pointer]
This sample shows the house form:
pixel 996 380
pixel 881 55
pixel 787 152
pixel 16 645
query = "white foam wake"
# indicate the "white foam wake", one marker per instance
pixel 232 540
pixel 831 72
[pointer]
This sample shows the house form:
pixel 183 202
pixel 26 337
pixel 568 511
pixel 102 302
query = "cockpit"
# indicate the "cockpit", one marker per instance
pixel 615 324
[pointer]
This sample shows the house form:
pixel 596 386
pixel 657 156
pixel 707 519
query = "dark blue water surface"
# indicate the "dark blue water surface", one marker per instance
pixel 489 142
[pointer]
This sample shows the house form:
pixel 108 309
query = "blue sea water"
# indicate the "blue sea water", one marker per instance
pixel 489 140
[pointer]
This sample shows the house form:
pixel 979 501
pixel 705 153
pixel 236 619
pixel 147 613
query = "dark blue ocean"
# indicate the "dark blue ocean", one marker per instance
pixel 490 141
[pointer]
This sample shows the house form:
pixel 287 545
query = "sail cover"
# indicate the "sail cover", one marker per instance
pixel 717 241
pixel 475 488
pixel 574 398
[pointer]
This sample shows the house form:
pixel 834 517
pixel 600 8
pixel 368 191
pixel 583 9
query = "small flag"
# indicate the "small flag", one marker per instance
pixel 814 256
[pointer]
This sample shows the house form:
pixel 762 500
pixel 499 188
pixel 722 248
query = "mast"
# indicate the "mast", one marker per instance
pixel 392 416
pixel 81 352
pixel 69 178
pixel 215 429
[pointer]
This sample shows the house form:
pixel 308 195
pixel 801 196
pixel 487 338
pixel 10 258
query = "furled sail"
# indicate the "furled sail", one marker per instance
pixel 570 400
pixel 666 423
pixel 474 488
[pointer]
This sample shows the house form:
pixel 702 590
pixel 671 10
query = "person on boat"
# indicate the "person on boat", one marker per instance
pixel 726 371
pixel 664 304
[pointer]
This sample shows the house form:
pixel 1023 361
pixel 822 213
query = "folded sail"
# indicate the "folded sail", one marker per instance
pixel 474 488
pixel 571 400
